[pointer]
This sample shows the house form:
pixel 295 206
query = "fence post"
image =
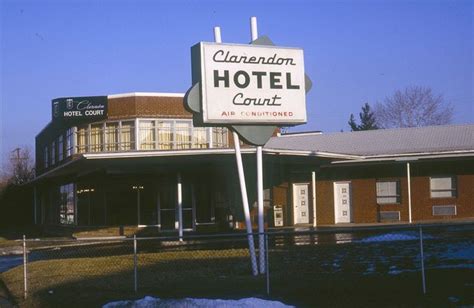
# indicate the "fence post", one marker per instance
pixel 25 279
pixel 267 263
pixel 135 271
pixel 422 262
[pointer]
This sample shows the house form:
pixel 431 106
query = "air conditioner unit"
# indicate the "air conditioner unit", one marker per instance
pixel 444 210
pixel 389 216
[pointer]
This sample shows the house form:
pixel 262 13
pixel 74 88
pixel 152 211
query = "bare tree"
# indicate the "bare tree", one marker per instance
pixel 413 107
pixel 21 166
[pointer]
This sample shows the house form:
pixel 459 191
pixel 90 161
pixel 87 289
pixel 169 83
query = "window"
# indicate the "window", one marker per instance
pixel 127 136
pixel 219 137
pixel 46 156
pixel 69 141
pixel 53 152
pixel 165 135
pixel 112 136
pixel 199 138
pixel 443 187
pixel 147 135
pixel 152 134
pixel 60 148
pixel 82 139
pixel 66 204
pixel 182 135
pixel 96 140
pixel 388 192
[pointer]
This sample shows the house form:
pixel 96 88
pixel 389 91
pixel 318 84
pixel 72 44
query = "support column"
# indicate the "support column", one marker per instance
pixel 409 192
pixel 313 186
pixel 179 198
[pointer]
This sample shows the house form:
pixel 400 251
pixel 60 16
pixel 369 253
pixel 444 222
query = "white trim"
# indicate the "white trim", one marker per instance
pixel 309 153
pixel 408 157
pixel 300 134
pixel 154 94
pixel 161 153
pixel 419 154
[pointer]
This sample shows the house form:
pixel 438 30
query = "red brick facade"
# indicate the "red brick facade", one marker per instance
pixel 364 197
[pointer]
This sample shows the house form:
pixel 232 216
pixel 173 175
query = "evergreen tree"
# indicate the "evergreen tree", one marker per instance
pixel 353 124
pixel 367 120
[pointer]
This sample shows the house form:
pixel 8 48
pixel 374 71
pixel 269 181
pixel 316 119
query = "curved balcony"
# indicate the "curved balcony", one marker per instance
pixel 138 134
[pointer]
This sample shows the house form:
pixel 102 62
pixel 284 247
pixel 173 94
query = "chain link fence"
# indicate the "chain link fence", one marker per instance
pixel 305 268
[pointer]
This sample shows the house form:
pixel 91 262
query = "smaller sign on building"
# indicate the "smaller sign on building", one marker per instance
pixel 251 84
pixel 79 109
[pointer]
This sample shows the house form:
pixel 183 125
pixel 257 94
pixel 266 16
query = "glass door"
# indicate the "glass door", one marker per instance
pixel 167 207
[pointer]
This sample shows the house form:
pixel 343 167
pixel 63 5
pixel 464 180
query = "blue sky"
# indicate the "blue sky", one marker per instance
pixel 355 52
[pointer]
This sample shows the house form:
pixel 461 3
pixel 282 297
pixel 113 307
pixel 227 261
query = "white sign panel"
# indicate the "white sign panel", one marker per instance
pixel 252 84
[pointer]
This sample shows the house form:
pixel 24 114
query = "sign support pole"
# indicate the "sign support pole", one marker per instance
pixel 243 188
pixel 261 238
pixel 409 192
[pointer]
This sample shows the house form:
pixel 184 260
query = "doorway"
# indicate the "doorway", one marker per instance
pixel 300 203
pixel 342 202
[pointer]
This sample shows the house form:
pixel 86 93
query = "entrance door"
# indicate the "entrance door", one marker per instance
pixel 168 208
pixel 342 202
pixel 300 204
pixel 188 208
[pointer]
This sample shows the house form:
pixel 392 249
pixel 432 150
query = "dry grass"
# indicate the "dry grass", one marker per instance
pixel 94 281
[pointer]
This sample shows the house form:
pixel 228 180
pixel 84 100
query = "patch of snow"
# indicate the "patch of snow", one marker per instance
pixel 154 302
pixel 453 299
pixel 8 262
pixel 370 269
pixel 459 253
pixel 394 236
pixel 394 271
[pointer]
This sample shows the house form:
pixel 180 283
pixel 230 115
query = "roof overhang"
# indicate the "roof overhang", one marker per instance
pixel 172 153
pixel 408 157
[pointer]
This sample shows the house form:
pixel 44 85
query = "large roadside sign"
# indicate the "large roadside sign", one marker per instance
pixel 251 84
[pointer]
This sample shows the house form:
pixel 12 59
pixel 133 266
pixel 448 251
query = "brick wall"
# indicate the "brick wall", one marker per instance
pixel 364 198
pixel 143 106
